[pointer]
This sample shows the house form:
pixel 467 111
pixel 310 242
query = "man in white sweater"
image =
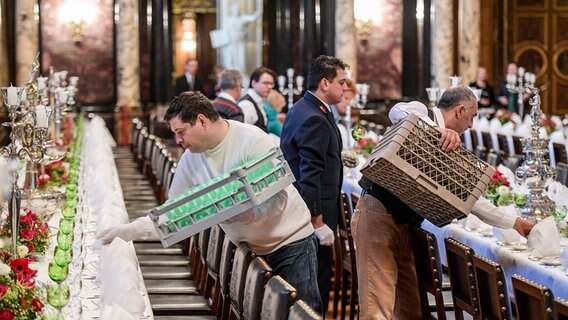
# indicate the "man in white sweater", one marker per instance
pixel 278 229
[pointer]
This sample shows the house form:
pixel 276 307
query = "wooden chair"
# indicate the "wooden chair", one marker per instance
pixel 487 141
pixel 493 296
pixel 560 309
pixel 241 262
pixel 258 274
pixel 532 300
pixel 562 173
pixel 222 306
pixel 428 271
pixel 300 310
pixel 348 260
pixel 210 281
pixel 503 144
pixel 518 145
pixel 559 150
pixel 462 279
pixel 279 296
pixel 474 139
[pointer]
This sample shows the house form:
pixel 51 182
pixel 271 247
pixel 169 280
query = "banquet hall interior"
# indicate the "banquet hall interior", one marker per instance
pixel 86 152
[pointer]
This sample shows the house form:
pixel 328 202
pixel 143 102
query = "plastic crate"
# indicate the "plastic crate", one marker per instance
pixel 210 203
pixel 438 185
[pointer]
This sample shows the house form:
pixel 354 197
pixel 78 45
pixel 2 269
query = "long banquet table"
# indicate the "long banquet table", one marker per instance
pixel 100 203
pixel 511 260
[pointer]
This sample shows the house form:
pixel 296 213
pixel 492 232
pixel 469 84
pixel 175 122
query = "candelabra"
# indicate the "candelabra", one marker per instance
pixel 361 96
pixel 292 89
pixel 535 171
pixel 24 145
pixel 518 84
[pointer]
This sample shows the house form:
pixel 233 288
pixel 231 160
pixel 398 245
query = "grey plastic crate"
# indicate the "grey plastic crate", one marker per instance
pixel 242 188
pixel 438 185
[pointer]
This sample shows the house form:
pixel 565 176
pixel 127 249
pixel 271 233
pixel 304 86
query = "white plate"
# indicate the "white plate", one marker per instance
pixel 550 261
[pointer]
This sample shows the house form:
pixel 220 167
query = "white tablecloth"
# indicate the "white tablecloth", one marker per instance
pixel 512 262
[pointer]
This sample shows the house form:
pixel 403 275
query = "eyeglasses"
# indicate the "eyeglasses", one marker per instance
pixel 268 83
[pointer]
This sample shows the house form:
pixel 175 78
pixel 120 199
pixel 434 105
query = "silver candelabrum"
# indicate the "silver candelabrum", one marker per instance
pixel 362 94
pixel 291 89
pixel 535 171
pixel 518 84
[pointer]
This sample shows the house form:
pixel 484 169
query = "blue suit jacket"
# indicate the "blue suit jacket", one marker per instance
pixel 311 144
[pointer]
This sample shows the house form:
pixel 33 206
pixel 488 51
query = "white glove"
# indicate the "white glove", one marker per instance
pixel 349 158
pixel 139 229
pixel 325 235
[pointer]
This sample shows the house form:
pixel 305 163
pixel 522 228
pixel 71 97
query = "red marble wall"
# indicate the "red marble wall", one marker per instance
pixel 92 59
pixel 380 57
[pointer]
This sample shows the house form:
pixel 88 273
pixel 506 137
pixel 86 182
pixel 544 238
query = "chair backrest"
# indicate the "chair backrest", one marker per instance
pixel 258 274
pixel 503 143
pixel 532 300
pixel 215 249
pixel 562 173
pixel 492 288
pixel 474 139
pixel 559 150
pixel 518 145
pixel 226 265
pixel 560 309
pixel 203 242
pixel 462 277
pixel 300 310
pixel 278 297
pixel 354 200
pixel 241 261
pixel 487 141
pixel 428 270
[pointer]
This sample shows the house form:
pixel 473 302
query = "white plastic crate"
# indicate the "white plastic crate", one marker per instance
pixel 438 185
pixel 221 198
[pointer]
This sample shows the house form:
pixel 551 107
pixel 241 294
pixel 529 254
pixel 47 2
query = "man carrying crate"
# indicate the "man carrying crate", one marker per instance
pixel 388 287
pixel 278 229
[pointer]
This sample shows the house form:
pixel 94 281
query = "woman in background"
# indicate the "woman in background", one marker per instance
pixel 273 108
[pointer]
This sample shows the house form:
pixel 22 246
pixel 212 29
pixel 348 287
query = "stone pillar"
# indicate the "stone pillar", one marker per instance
pixel 27 38
pixel 4 43
pixel 127 50
pixel 469 41
pixel 345 42
pixel 128 69
pixel 442 43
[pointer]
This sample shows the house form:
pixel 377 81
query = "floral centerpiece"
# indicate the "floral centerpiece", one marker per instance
pixel 365 146
pixel 548 124
pixel 504 116
pixel 54 176
pixel 33 233
pixel 19 294
pixel 499 191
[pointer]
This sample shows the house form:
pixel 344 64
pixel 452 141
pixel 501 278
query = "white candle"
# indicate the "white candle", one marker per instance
pixel 12 96
pixel 41 83
pixel 281 81
pixel 300 81
pixel 290 72
pixel 73 80
pixel 41 116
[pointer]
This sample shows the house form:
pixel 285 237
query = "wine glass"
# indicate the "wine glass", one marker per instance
pixel 62 257
pixel 56 272
pixel 58 297
pixel 66 226
pixel 69 212
pixel 64 240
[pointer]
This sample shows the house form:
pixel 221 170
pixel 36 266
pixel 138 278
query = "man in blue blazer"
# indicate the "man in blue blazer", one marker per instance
pixel 311 144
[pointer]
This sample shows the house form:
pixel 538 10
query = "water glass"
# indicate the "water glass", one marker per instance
pixel 56 272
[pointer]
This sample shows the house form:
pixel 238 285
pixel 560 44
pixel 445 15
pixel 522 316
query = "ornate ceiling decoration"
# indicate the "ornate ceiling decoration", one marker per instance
pixel 193 6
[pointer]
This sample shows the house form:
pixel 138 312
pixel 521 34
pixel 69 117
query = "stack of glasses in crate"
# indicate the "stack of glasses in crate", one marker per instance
pixel 227 195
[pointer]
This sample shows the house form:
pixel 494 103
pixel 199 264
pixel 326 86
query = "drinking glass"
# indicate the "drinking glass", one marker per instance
pixel 66 226
pixel 62 257
pixel 57 297
pixel 64 240
pixel 56 272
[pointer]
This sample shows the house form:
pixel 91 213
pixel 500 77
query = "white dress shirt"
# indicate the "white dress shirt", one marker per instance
pixel 249 112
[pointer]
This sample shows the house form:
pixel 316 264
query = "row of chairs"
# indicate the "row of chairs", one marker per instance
pixel 478 285
pixel 240 284
pixel 153 159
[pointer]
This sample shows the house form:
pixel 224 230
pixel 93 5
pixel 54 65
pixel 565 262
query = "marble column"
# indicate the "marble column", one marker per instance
pixel 469 40
pixel 442 42
pixel 345 42
pixel 27 38
pixel 4 71
pixel 127 50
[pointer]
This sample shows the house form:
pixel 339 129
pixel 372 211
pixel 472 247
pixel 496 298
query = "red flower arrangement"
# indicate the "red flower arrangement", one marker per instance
pixel 19 295
pixel 549 125
pixel 54 176
pixel 365 146
pixel 504 116
pixel 33 232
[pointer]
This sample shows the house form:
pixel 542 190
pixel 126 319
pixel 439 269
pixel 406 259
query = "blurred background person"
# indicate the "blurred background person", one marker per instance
pixel 338 111
pixel 231 86
pixel 214 88
pixel 273 108
pixel 262 81
pixel 189 81
pixel 487 94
